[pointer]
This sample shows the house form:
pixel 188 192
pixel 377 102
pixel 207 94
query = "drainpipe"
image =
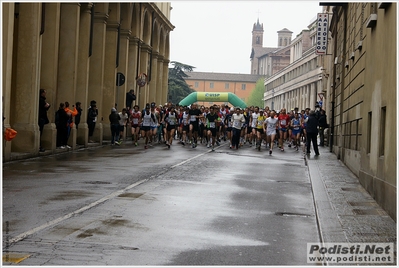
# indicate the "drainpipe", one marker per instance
pixel 151 44
pixel 335 16
pixel 43 23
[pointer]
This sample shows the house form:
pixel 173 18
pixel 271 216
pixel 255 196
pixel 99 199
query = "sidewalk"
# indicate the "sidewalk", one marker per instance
pixel 345 210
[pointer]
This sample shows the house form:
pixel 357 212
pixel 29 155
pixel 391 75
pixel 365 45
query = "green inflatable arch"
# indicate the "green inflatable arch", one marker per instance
pixel 213 97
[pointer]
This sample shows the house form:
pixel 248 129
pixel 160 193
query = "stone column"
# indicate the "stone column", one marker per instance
pixel 123 68
pixel 312 96
pixel 82 82
pixel 143 92
pixel 132 67
pixel 307 96
pixel 68 58
pixel 154 91
pixel 160 94
pixel 25 94
pixel 8 31
pixel 49 69
pixel 96 71
pixel 165 75
pixel 109 91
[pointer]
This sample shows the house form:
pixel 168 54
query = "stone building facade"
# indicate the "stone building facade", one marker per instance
pixel 299 83
pixel 75 51
pixel 360 78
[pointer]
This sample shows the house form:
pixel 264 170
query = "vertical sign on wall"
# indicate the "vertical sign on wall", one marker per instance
pixel 322 34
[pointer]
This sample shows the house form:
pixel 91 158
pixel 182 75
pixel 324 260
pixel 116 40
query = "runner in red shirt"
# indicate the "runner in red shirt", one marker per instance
pixel 283 124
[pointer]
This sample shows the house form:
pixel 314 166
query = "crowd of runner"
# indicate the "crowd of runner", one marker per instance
pixel 194 125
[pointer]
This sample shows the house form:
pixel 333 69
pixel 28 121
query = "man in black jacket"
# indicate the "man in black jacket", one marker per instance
pixel 311 132
pixel 130 97
pixel 61 123
pixel 322 126
pixel 43 119
pixel 92 118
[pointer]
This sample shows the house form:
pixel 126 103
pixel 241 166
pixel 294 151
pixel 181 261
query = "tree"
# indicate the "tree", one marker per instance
pixel 178 89
pixel 257 95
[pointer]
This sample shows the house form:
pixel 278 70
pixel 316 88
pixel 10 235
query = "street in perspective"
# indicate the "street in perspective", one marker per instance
pixel 126 205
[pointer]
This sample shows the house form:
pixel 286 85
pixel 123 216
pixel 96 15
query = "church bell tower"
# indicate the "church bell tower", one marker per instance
pixel 257 35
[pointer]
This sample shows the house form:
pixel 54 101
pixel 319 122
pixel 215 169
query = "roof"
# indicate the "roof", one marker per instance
pixel 208 76
pixel 285 30
pixel 258 26
pixel 261 51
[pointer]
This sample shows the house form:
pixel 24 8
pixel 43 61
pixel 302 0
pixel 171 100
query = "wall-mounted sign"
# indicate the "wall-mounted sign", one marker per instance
pixel 322 34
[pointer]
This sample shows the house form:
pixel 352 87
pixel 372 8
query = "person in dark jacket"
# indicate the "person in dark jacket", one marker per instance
pixel 43 119
pixel 114 120
pixel 61 123
pixel 78 116
pixel 312 125
pixel 322 126
pixel 92 114
pixel 130 97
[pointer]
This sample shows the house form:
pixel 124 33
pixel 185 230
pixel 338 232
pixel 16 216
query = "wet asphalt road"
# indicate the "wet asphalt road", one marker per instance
pixel 129 206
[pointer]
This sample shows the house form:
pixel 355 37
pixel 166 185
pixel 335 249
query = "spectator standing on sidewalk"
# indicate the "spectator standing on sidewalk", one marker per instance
pixel 92 118
pixel 322 126
pixel 130 97
pixel 79 114
pixel 311 132
pixel 72 114
pixel 61 123
pixel 43 119
pixel 115 130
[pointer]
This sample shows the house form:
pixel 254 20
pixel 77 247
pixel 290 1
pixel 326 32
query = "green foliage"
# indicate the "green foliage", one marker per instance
pixel 178 89
pixel 256 97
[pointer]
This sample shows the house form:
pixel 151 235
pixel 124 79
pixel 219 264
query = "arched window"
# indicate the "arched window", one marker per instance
pixel 257 40
pixel 281 42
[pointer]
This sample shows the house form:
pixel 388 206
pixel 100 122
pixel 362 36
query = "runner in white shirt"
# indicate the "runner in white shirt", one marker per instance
pixel 253 122
pixel 238 120
pixel 269 127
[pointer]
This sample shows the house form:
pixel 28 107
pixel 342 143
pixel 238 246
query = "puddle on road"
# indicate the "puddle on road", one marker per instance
pixel 131 195
pixel 109 225
pixel 70 195
pixel 115 222
pixel 90 232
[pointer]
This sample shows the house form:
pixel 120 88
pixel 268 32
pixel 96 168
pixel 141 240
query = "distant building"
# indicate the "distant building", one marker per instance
pixel 239 84
pixel 267 61
pixel 298 84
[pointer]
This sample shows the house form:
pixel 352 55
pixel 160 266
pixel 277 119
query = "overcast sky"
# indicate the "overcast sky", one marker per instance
pixel 216 36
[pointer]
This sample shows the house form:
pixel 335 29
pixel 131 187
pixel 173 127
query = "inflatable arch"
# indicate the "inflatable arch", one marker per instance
pixel 213 97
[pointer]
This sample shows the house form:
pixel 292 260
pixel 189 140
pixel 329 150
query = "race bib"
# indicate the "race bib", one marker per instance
pixel 283 122
pixel 135 121
pixel 212 124
pixel 237 124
